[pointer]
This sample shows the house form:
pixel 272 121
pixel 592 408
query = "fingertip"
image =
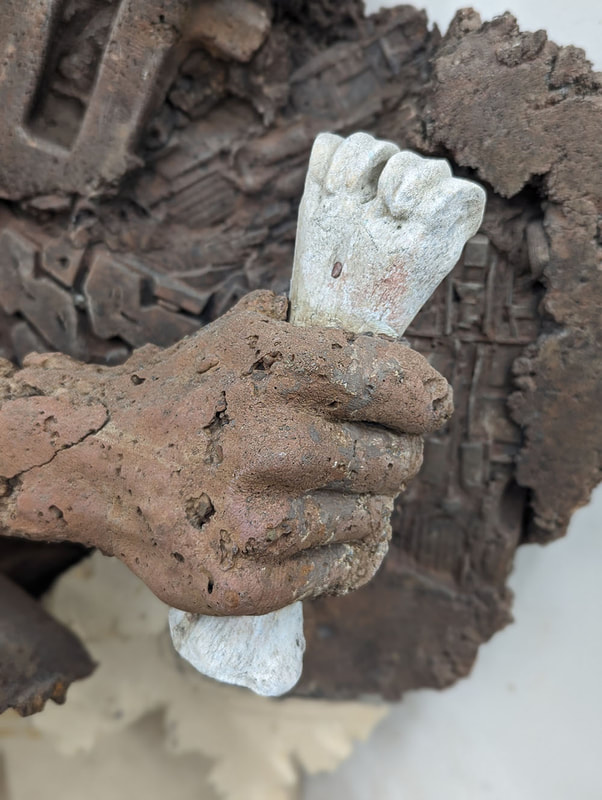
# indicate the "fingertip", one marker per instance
pixel 442 402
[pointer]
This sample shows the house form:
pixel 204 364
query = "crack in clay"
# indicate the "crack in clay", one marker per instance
pixel 67 446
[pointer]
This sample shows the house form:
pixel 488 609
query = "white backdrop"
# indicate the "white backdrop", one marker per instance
pixel 527 723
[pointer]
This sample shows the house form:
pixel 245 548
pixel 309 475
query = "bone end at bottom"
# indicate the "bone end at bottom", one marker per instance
pixel 262 653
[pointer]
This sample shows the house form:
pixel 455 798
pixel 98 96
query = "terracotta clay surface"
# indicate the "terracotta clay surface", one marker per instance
pixel 210 213
pixel 248 466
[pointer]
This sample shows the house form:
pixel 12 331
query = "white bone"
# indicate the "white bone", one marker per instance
pixel 378 231
pixel 394 222
pixel 263 653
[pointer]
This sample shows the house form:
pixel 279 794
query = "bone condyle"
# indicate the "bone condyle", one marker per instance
pixel 389 224
pixel 379 229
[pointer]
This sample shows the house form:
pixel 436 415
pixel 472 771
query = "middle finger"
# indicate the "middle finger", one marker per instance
pixel 309 453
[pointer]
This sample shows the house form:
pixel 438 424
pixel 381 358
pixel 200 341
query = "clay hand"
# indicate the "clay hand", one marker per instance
pixel 246 467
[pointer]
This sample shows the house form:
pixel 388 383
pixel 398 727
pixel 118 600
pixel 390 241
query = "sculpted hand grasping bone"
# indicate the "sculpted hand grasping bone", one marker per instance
pixel 255 463
pixel 248 466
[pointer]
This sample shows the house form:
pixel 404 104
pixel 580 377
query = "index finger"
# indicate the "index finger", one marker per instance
pixel 357 378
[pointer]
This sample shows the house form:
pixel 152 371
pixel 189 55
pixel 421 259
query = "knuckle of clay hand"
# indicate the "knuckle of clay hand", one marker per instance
pixel 263 301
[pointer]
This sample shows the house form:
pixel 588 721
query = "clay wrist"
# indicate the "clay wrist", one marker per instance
pixel 45 409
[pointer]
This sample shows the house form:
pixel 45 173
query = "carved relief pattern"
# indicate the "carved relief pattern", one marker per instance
pixel 135 221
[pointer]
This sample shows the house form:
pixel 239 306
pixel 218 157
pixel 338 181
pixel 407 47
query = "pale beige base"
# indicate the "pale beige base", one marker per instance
pixel 147 725
pixel 131 764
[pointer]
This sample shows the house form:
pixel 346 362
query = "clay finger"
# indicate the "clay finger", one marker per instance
pixel 364 379
pixel 287 525
pixel 306 562
pixel 316 453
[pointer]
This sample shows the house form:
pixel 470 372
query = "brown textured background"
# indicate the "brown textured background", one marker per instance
pixel 186 198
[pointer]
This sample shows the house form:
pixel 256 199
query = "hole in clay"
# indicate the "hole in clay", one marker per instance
pixel 265 362
pixel 437 404
pixel 137 380
pixel 199 510
pixel 334 404
pixel 210 587
pixel 178 557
